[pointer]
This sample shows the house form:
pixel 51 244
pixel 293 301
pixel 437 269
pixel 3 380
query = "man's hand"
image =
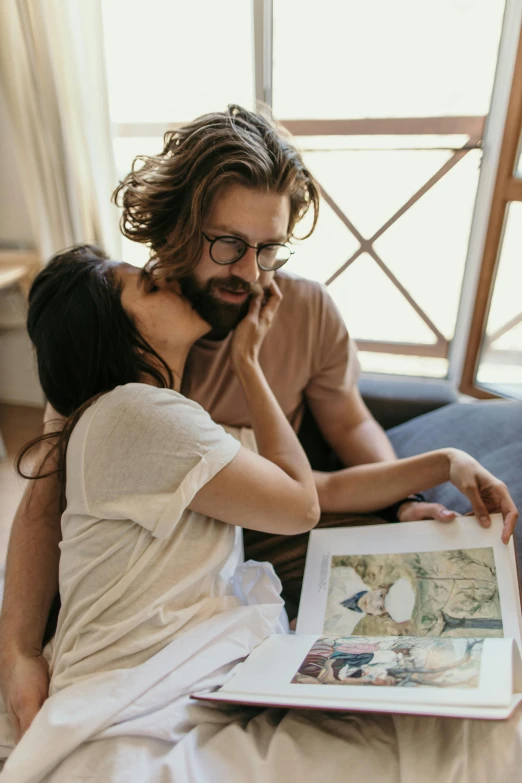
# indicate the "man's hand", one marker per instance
pixel 413 511
pixel 25 687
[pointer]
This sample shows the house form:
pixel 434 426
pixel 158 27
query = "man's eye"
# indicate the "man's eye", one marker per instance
pixel 231 241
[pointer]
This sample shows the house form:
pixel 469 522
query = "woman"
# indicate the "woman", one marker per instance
pixel 152 487
pixel 147 471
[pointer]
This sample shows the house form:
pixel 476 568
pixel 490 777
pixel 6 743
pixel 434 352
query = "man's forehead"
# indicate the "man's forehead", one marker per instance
pixel 230 229
pixel 250 214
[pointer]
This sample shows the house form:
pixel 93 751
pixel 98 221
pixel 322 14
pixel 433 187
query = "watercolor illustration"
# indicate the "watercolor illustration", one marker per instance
pixel 452 593
pixel 392 661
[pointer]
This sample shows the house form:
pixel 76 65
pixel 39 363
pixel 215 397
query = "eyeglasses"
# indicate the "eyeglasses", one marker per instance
pixel 228 250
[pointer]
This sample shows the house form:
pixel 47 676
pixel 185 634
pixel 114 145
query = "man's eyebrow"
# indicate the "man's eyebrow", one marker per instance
pixel 232 232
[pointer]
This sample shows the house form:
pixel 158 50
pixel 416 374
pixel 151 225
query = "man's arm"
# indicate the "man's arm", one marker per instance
pixel 31 583
pixel 358 439
pixel 350 429
pixel 337 406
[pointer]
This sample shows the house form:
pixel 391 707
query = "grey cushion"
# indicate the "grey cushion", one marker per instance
pixel 393 401
pixel 491 431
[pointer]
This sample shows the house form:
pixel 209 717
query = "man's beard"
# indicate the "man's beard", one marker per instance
pixel 222 316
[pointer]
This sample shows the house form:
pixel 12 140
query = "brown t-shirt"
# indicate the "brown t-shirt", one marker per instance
pixel 306 355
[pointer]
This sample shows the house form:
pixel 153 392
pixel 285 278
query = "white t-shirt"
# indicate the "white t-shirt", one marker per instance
pixel 136 566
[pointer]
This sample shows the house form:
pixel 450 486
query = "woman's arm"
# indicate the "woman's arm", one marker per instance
pixel 376 485
pixel 369 487
pixel 273 491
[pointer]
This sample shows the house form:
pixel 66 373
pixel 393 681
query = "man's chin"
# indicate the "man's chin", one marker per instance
pixel 222 316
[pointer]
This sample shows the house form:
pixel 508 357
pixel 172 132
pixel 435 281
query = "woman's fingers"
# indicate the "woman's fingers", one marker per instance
pixel 510 520
pixel 485 492
pixel 498 499
pixel 255 306
pixel 477 504
pixel 264 305
pixel 273 297
pixel 275 291
pixel 510 514
pixel 250 333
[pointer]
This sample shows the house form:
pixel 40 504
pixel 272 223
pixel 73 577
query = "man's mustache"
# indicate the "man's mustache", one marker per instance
pixel 235 284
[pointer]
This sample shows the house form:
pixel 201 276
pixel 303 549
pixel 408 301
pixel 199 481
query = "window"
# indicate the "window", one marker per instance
pixel 344 59
pixel 394 131
pixel 175 61
pixel 388 100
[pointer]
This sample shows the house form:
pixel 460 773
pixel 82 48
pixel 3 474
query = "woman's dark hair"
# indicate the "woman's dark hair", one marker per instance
pixel 166 196
pixel 85 342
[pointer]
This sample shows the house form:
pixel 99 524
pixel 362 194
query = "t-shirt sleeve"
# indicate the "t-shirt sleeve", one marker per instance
pixel 147 453
pixel 336 366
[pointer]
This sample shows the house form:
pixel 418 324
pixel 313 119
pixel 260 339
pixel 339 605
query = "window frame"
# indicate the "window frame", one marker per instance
pixel 507 189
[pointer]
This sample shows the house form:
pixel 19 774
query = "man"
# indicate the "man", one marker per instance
pixel 217 209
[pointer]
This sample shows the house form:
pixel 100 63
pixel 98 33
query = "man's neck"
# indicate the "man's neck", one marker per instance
pixel 217 335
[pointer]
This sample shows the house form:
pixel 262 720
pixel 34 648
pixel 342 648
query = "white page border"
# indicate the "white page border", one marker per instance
pixel 426 536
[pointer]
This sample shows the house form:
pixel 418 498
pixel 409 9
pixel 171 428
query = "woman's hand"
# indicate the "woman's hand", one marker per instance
pixel 486 493
pixel 249 335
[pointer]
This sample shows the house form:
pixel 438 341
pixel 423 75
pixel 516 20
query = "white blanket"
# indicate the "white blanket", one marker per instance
pixel 139 725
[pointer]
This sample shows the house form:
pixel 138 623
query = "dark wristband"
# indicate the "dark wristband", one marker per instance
pixel 390 512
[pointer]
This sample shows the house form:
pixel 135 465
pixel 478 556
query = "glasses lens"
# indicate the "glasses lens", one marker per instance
pixel 274 256
pixel 226 250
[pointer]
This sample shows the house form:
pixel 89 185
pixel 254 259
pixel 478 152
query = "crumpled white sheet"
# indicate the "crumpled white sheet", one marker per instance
pixel 139 725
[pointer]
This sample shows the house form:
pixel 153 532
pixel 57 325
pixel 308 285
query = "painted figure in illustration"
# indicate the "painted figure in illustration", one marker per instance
pixel 350 600
pixel 450 593
pixel 399 662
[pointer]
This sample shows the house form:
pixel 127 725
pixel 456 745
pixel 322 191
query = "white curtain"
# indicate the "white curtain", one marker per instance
pixel 52 73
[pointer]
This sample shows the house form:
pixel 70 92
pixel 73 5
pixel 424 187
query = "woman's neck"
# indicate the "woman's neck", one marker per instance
pixel 175 359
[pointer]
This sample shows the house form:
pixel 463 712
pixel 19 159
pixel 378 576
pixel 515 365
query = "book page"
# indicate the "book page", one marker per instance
pixel 344 672
pixel 418 579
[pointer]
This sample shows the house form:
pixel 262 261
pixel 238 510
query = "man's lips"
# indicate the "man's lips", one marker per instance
pixel 235 297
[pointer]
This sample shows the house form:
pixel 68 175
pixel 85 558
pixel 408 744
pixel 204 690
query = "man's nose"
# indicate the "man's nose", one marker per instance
pixel 247 267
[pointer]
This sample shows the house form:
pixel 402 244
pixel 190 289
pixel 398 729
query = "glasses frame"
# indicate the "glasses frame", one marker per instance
pixel 257 248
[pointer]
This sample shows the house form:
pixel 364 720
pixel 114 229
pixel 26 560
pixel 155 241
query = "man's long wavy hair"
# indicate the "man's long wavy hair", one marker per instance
pixel 165 197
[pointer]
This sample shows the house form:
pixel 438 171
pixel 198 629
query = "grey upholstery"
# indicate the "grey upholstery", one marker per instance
pixel 393 401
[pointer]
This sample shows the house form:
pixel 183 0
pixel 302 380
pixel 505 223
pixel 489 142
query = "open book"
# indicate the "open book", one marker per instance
pixel 419 618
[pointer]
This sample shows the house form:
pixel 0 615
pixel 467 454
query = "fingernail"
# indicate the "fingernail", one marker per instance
pixel 485 521
pixel 447 513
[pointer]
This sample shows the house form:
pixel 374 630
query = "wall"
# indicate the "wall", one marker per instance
pixel 18 380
